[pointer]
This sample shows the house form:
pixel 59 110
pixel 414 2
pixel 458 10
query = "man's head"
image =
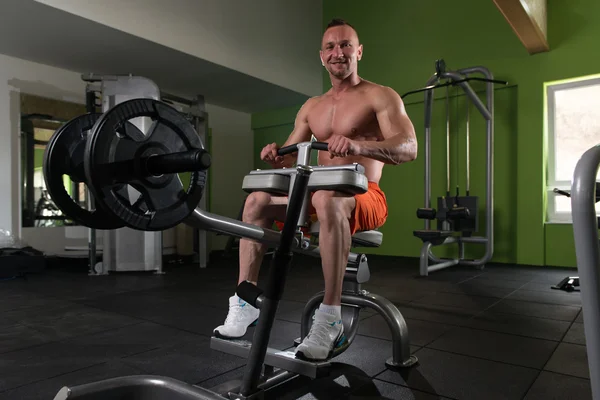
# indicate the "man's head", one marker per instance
pixel 340 49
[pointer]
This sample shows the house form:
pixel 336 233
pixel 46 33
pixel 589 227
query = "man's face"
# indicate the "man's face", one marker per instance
pixel 340 51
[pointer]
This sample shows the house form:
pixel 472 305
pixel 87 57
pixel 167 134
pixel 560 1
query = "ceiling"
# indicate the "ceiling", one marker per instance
pixel 39 33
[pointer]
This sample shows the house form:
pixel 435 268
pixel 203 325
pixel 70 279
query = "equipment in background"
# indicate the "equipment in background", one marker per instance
pixel 457 216
pixel 124 248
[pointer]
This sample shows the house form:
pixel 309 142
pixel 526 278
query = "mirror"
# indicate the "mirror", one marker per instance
pixel 40 117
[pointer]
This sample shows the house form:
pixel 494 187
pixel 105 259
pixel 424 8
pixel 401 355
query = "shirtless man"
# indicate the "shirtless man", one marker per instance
pixel 362 122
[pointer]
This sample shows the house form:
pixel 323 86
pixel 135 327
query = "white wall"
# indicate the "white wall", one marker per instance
pixel 23 76
pixel 232 153
pixel 274 40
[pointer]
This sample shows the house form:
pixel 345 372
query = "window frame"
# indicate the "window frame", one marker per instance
pixel 551 88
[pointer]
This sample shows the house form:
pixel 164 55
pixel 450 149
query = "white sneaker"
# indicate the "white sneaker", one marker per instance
pixel 326 334
pixel 241 315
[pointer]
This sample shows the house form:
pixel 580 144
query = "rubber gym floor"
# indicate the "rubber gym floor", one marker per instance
pixel 497 333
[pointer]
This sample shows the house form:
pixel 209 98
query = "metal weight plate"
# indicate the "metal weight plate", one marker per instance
pixel 114 156
pixel 64 156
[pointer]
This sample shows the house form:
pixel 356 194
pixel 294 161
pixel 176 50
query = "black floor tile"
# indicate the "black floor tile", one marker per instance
pixel 201 319
pixel 569 359
pixel 341 380
pixel 368 354
pixel 550 386
pixel 540 310
pixel 467 302
pixel 6 323
pixel 511 349
pixel 541 328
pixel 124 324
pixel 81 287
pixel 420 333
pixel 17 336
pixel 421 285
pixel 13 301
pixel 453 275
pixel 437 313
pixel 400 294
pixel 474 289
pixel 548 297
pixel 462 377
pixel 553 275
pixel 545 287
pixel 579 317
pixel 34 315
pixel 515 275
pixel 184 360
pixel 575 335
pixel 129 340
pixel 490 281
pixel 87 323
pixel 30 365
pixel 377 389
pixel 48 388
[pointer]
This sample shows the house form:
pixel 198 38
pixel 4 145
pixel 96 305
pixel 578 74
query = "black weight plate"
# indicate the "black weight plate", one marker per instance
pixel 64 156
pixel 114 156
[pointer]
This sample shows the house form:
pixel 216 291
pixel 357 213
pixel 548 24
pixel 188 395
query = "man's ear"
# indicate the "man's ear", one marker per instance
pixel 321 57
pixel 360 52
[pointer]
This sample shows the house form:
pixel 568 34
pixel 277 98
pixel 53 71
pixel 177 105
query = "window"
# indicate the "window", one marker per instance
pixel 573 126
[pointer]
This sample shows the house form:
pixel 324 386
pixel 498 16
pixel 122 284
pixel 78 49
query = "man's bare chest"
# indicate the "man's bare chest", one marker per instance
pixel 347 118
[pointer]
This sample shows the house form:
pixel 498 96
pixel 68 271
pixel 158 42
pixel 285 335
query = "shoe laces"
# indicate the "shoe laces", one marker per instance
pixel 235 313
pixel 318 331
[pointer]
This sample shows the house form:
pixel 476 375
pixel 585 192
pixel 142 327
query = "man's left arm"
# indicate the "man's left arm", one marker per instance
pixel 399 144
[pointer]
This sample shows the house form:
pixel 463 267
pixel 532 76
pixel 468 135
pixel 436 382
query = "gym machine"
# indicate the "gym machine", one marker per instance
pixel 457 216
pixel 571 283
pixel 116 155
pixel 584 195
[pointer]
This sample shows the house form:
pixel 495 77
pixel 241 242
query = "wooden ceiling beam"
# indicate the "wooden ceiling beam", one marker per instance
pixel 527 18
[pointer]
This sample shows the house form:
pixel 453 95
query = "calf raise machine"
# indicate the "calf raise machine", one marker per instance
pixel 109 154
pixel 457 216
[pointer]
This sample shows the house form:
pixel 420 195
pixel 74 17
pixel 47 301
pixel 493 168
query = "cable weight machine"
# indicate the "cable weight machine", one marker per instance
pixel 457 216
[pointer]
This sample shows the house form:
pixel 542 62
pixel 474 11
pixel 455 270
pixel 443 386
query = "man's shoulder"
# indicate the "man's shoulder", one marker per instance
pixel 379 89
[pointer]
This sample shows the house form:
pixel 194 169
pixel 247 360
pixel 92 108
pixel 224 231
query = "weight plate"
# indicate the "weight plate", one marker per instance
pixel 114 156
pixel 64 156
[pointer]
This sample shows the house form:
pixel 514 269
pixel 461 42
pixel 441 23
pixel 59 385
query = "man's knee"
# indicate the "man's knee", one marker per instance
pixel 255 205
pixel 332 206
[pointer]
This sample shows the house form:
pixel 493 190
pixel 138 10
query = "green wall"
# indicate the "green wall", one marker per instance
pixel 402 39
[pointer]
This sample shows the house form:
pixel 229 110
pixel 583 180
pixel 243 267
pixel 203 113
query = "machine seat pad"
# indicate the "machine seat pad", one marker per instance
pixel 367 239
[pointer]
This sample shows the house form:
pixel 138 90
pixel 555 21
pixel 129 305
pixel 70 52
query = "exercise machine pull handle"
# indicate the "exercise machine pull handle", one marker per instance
pixel 426 213
pixel 292 148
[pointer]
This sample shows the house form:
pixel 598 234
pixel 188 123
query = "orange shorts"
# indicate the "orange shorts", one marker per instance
pixel 370 213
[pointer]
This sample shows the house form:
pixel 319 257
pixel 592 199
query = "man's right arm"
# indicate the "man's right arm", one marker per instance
pixel 301 133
